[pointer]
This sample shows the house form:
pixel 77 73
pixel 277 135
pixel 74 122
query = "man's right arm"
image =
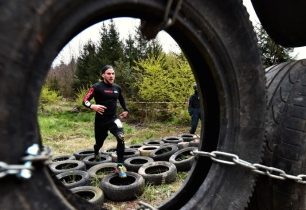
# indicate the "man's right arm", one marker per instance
pixel 89 95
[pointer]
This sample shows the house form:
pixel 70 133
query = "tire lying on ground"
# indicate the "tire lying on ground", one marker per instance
pixel 146 150
pixel 183 159
pixel 67 165
pixel 153 142
pixel 99 171
pixel 172 139
pixel 159 172
pixel 63 157
pixel 285 138
pixel 109 151
pixel 73 178
pixel 90 193
pixel 81 154
pixel 164 152
pixel 134 163
pixel 187 137
pixel 90 160
pixel 128 152
pixel 122 189
pixel 135 146
pixel 225 62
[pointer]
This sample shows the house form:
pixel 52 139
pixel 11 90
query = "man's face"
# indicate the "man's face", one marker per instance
pixel 109 76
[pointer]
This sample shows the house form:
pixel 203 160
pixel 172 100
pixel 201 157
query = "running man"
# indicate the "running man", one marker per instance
pixel 106 93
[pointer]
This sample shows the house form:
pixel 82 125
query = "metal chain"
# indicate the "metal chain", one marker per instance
pixel 33 154
pixel 145 206
pixel 232 159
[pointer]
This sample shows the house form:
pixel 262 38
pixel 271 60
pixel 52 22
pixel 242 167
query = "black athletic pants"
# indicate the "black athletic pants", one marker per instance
pixel 101 132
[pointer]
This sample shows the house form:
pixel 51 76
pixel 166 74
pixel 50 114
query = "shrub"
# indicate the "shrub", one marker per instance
pixel 48 96
pixel 81 92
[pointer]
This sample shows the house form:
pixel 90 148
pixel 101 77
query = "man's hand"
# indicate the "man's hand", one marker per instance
pixel 123 115
pixel 98 108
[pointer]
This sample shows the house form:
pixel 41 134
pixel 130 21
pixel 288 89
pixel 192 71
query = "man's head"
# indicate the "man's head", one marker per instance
pixel 108 74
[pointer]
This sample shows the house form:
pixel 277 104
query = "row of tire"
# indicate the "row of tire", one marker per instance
pixel 154 162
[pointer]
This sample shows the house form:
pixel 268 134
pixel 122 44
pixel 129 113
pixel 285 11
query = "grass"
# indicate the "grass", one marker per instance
pixel 66 132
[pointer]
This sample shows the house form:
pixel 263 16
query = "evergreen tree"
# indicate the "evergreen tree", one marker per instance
pixel 130 51
pixel 88 65
pixel 272 53
pixel 110 47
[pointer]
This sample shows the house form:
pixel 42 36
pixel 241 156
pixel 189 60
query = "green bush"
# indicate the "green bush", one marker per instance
pixel 81 92
pixel 48 96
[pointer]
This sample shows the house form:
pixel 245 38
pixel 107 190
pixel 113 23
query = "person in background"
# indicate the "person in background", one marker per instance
pixel 106 94
pixel 194 110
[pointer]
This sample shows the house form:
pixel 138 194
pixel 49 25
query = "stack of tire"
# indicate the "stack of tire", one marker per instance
pixel 285 147
pixel 154 162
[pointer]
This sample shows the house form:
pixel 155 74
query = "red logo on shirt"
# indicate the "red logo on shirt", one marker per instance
pixel 108 91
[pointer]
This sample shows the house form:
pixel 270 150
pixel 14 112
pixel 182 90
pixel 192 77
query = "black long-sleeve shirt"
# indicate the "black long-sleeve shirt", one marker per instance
pixel 106 95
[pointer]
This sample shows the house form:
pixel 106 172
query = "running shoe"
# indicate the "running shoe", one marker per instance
pixel 121 170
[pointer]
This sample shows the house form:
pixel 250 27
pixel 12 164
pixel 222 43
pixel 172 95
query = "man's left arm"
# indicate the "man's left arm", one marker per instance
pixel 125 112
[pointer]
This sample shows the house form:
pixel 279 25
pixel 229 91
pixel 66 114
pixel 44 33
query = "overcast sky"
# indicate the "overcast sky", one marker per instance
pixel 127 26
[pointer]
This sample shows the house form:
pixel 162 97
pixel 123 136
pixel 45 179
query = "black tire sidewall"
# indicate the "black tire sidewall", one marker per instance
pixel 225 61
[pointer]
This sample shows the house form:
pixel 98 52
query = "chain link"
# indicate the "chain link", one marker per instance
pixel 145 206
pixel 232 159
pixel 24 171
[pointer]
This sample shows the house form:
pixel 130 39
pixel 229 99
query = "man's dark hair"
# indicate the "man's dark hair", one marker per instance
pixel 104 68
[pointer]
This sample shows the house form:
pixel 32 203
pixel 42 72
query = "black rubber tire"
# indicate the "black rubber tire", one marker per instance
pixel 66 165
pixel 90 160
pixel 172 139
pixel 81 154
pixel 134 163
pixel 62 157
pixel 153 142
pixel 158 172
pixel 285 138
pixel 82 178
pixel 99 171
pixel 164 152
pixel 183 159
pixel 123 189
pixel 146 150
pixel 135 146
pixel 183 145
pixel 128 152
pixel 187 137
pixel 109 151
pixel 220 45
pixel 92 194
pixel 194 143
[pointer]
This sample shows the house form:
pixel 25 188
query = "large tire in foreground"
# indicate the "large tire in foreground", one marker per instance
pixel 123 189
pixel 217 39
pixel 285 139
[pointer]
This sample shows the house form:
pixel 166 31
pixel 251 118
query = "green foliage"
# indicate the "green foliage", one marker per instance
pixel 110 48
pixel 80 94
pixel 88 66
pixel 271 52
pixel 166 78
pixel 48 96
